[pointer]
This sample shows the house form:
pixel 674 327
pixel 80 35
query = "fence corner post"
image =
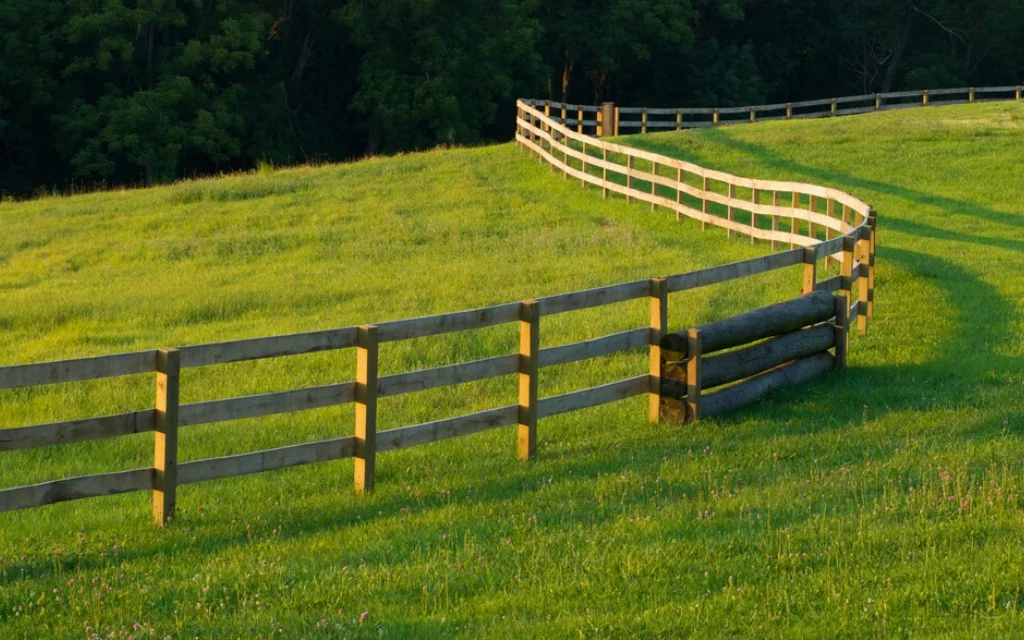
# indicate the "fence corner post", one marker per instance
pixel 165 444
pixel 529 371
pixel 810 270
pixel 841 331
pixel 367 352
pixel 659 325
pixel 693 386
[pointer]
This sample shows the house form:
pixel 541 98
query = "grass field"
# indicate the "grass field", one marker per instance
pixel 886 501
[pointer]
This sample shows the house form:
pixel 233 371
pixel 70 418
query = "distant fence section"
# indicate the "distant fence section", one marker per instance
pixel 810 223
pixel 611 120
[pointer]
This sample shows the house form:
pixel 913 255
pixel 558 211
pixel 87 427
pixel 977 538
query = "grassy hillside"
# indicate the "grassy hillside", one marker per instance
pixel 885 501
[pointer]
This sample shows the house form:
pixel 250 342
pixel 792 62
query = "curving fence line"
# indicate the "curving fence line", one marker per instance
pixel 758 351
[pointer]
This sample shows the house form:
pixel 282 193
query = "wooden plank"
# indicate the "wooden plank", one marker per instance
pixel 365 450
pixel 266 460
pixel 165 442
pixel 694 393
pixel 659 325
pixel 101 484
pixel 69 431
pixel 596 297
pixel 59 371
pixel 734 270
pixel 773 320
pixel 749 361
pixel 744 393
pixel 529 375
pixel 593 396
pixel 576 351
pixel 266 404
pixel 460 373
pixel 829 284
pixel 270 347
pixel 447 322
pixel 448 428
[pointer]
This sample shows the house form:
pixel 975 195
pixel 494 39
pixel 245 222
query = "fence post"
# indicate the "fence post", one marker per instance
pixel 705 204
pixel 629 179
pixel 812 228
pixel 659 325
pixel 714 117
pixel 841 331
pixel 366 408
pixel 878 101
pixel 794 226
pixel 873 221
pixel 529 370
pixel 730 212
pixel 970 94
pixel 835 106
pixel 753 116
pixel 679 114
pixel 830 211
pixel 789 110
pixel 755 198
pixel 846 269
pixel 776 201
pixel 579 120
pixel 654 186
pixel 1018 92
pixel 563 114
pixel 643 121
pixel 583 167
pixel 604 174
pixel 924 98
pixel 810 270
pixel 679 192
pixel 693 386
pixel 165 442
pixel 863 269
pixel 547 114
pixel 616 121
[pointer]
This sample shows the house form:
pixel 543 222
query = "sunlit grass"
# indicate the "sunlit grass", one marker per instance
pixel 885 501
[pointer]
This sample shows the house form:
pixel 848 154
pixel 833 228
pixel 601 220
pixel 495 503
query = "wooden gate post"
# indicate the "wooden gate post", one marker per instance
pixel 366 408
pixel 529 371
pixel 693 386
pixel 165 445
pixel 659 325
pixel 810 270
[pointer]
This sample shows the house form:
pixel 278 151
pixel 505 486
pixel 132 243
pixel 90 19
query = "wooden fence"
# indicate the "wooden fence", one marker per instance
pixel 849 230
pixel 586 118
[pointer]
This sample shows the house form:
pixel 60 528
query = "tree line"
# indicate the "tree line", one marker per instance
pixel 125 92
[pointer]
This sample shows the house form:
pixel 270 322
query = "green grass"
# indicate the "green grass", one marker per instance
pixel 884 501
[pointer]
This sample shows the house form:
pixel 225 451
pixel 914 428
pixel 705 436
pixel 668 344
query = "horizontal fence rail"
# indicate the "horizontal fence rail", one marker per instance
pixel 815 223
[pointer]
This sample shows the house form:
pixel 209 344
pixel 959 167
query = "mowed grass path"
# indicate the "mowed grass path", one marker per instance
pixel 885 501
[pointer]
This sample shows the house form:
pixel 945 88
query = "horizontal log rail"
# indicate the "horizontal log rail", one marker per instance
pixel 814 222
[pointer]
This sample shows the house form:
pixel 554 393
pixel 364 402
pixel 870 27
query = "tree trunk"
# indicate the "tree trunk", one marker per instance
pixel 897 54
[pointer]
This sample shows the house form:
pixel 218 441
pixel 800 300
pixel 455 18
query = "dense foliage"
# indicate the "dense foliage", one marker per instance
pixel 135 91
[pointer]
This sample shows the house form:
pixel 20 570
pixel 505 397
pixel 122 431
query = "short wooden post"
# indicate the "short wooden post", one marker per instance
pixel 604 174
pixel 705 208
pixel 714 117
pixel 794 226
pixel 659 325
pixel 679 114
pixel 873 221
pixel 776 202
pixel 643 120
pixel 547 114
pixel 563 114
pixel 654 186
pixel 693 386
pixel 789 110
pixel 629 179
pixel 579 120
pixel 863 260
pixel 753 114
pixel 846 269
pixel 366 408
pixel 970 94
pixel 924 98
pixel 830 211
pixel 835 106
pixel 1018 92
pixel 755 199
pixel 165 442
pixel 529 370
pixel 731 212
pixel 607 120
pixel 810 270
pixel 878 101
pixel 616 121
pixel 841 331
